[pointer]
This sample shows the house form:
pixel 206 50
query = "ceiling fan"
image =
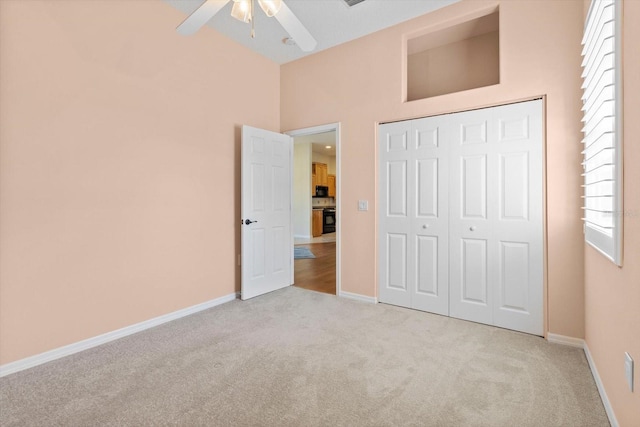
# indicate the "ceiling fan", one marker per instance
pixel 243 11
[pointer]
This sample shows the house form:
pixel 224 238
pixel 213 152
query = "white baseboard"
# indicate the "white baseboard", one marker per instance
pixel 358 297
pixel 564 340
pixel 580 343
pixel 57 353
pixel 603 394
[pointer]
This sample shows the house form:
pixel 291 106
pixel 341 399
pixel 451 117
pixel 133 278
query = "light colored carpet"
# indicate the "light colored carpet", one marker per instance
pixel 300 252
pixel 301 358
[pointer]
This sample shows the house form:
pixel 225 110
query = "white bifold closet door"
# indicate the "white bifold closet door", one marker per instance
pixel 460 215
pixel 414 215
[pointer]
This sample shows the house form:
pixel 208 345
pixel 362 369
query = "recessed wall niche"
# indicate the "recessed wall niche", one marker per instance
pixel 461 57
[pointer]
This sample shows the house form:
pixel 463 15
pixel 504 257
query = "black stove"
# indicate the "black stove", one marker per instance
pixel 328 220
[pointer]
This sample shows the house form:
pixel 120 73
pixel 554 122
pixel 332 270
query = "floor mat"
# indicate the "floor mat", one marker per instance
pixel 300 252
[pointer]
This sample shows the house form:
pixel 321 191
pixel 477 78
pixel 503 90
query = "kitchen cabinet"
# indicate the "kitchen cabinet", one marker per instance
pixel 320 171
pixel 314 182
pixel 316 229
pixel 331 183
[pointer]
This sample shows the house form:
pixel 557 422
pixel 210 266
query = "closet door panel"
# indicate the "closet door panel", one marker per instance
pixel 427 186
pixel 427 266
pixel 473 186
pixel 430 225
pixel 396 246
pixel 396 201
pixel 518 290
pixel 514 276
pixel 514 186
pixel 473 270
pixel 470 208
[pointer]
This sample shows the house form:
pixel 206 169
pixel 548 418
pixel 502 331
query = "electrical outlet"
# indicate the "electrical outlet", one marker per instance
pixel 628 370
pixel 363 205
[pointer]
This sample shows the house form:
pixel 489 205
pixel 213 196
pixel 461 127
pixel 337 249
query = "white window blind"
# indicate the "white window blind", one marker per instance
pixel 602 118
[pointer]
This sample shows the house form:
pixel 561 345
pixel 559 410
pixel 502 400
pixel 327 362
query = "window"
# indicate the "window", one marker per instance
pixel 602 117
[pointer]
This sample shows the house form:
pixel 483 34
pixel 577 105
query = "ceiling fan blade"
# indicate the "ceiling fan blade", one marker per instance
pixel 296 30
pixel 200 16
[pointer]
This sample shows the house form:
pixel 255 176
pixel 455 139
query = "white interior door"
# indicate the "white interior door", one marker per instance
pixel 413 226
pixel 267 248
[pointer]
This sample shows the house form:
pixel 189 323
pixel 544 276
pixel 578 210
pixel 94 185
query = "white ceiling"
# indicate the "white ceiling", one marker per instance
pixel 331 22
pixel 320 142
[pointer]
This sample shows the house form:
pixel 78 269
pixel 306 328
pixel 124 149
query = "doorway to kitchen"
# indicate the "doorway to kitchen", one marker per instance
pixel 316 208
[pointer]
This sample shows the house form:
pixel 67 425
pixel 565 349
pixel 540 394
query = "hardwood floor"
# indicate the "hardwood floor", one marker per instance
pixel 319 273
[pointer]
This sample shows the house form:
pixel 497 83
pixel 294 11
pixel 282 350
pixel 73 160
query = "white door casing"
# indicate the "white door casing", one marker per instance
pixel 413 226
pixel 267 249
pixel 330 127
pixel 493 231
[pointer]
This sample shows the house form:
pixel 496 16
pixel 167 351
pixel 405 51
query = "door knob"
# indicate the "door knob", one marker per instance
pixel 425 226
pixel 472 228
pixel 248 221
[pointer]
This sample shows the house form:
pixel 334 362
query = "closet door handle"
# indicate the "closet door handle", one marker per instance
pixel 472 228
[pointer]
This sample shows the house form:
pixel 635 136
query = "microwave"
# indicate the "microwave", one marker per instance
pixel 322 191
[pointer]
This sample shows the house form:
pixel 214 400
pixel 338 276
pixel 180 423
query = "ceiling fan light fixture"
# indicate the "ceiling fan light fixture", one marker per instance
pixel 270 7
pixel 242 10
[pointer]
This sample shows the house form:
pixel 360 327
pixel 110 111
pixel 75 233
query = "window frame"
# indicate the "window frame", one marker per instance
pixel 608 245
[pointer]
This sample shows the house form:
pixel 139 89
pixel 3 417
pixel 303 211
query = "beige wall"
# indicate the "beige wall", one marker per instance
pixel 361 83
pixel 119 163
pixel 612 314
pixel 119 166
pixel 301 189
pixel 466 64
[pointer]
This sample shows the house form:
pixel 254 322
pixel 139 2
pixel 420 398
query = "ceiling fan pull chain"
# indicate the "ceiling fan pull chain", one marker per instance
pixel 253 22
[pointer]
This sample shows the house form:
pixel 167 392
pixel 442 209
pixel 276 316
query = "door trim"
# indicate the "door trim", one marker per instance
pixel 310 131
